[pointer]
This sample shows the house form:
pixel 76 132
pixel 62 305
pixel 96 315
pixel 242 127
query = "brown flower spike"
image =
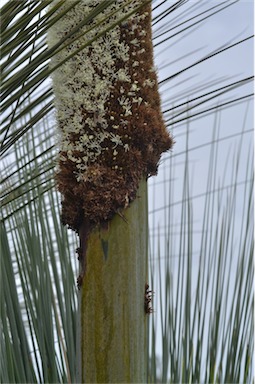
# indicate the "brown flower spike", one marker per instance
pixel 108 109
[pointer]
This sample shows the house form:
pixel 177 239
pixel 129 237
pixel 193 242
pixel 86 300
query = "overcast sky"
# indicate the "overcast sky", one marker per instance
pixel 227 27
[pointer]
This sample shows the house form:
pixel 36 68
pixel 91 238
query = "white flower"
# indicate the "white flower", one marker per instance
pixel 142 33
pixel 135 64
pixel 134 87
pixel 135 42
pixel 123 76
pixel 123 122
pixel 137 100
pixel 122 100
pixel 148 83
pixel 115 139
pixel 128 112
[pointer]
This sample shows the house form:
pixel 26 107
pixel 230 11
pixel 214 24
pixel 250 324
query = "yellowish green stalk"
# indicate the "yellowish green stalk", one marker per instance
pixel 113 318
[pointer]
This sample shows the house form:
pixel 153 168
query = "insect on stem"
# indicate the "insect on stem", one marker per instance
pixel 148 299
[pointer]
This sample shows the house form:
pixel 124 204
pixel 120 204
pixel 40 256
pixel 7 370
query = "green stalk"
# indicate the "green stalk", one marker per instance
pixel 113 345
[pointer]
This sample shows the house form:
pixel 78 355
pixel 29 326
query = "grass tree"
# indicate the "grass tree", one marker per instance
pixel 110 135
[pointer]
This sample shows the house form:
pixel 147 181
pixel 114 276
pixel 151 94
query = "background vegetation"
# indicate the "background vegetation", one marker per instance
pixel 201 204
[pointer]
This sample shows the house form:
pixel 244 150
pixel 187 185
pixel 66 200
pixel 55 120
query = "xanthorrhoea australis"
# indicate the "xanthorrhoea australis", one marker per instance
pixel 112 132
pixel 112 135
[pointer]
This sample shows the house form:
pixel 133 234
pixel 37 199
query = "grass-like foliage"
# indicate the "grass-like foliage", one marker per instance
pixel 201 219
pixel 38 277
pixel 203 276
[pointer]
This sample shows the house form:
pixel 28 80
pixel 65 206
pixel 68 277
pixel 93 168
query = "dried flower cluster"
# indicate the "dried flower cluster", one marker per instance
pixel 108 111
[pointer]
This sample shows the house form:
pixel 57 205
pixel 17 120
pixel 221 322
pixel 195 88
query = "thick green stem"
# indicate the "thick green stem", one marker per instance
pixel 113 320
